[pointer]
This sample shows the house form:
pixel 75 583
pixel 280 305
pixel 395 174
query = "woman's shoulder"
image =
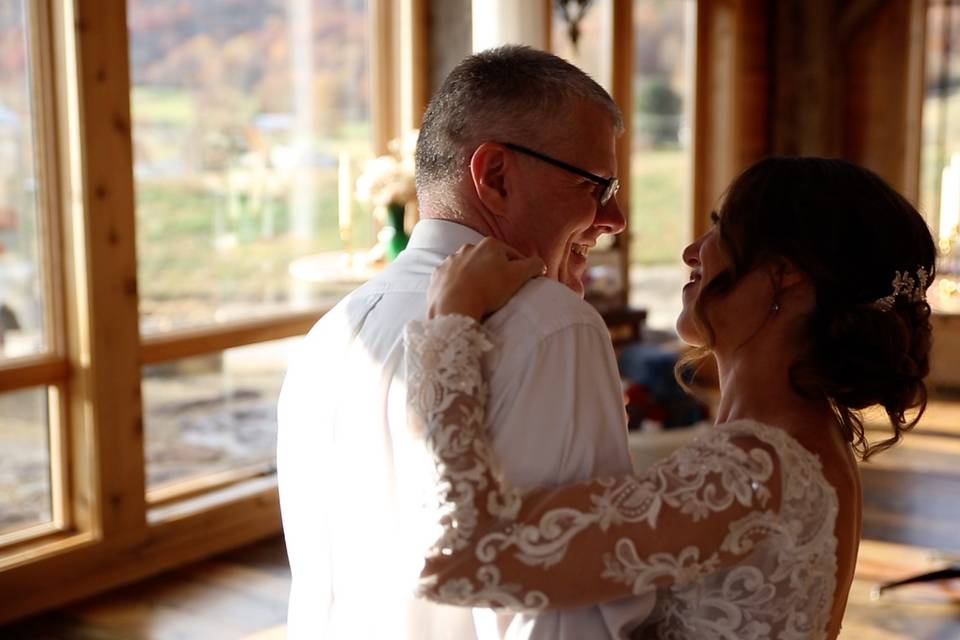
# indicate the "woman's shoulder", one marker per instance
pixel 805 485
pixel 772 435
pixel 797 464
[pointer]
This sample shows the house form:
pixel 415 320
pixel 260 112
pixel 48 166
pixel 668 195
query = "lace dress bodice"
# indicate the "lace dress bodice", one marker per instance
pixel 733 533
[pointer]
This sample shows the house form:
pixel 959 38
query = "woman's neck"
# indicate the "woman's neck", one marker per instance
pixel 755 385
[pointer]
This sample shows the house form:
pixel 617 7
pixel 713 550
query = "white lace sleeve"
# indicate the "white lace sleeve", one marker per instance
pixel 696 513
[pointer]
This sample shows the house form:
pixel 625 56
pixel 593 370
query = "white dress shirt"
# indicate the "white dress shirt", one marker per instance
pixel 356 483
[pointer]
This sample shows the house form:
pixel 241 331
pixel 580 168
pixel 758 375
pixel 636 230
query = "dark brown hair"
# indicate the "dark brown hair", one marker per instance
pixel 849 232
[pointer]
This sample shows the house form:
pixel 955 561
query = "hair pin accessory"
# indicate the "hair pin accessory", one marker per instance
pixel 905 286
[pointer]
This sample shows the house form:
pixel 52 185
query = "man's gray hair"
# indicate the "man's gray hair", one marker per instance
pixel 508 94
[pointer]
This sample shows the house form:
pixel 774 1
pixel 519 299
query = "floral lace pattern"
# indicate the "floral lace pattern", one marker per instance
pixel 733 532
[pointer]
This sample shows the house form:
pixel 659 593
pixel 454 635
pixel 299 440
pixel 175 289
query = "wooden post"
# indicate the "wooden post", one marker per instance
pixel 884 64
pixel 622 93
pixel 382 74
pixel 107 427
pixel 732 98
pixel 806 73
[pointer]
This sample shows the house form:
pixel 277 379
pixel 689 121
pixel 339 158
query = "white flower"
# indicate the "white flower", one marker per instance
pixel 388 179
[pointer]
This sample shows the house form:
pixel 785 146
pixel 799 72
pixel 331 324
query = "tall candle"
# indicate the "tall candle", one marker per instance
pixel 345 199
pixel 950 199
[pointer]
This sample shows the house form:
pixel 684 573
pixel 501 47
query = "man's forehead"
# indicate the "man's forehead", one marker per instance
pixel 592 146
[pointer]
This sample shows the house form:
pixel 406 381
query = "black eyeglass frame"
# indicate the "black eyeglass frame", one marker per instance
pixel 610 185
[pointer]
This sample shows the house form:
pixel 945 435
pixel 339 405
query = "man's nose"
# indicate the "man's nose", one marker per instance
pixel 610 218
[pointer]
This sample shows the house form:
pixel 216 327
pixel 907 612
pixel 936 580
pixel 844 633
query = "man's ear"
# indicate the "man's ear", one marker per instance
pixel 488 169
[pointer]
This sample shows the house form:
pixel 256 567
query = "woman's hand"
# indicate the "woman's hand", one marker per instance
pixel 478 280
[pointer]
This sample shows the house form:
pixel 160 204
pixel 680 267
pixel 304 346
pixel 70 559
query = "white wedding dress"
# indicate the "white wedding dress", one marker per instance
pixel 733 533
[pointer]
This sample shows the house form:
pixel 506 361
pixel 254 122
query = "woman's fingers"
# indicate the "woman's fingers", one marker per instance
pixel 478 280
pixel 528 268
pixel 524 268
pixel 518 272
pixel 495 246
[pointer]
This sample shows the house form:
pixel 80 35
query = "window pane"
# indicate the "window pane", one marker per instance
pixel 940 150
pixel 660 168
pixel 251 122
pixel 21 297
pixel 213 413
pixel 25 497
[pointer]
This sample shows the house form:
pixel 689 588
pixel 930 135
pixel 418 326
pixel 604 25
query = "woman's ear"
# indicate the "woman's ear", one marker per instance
pixel 488 169
pixel 791 283
pixel 789 275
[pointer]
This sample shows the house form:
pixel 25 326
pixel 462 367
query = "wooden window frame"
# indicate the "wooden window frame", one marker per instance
pixel 107 528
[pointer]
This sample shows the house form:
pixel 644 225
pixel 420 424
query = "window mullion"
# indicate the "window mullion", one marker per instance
pixel 200 341
pixel 105 391
pixel 622 90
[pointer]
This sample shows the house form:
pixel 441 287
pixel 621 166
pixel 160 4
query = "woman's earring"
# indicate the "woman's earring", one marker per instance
pixel 774 308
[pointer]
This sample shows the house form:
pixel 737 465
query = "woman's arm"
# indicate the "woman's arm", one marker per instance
pixel 700 509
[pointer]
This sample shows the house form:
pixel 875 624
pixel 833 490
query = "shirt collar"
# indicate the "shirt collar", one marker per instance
pixel 442 235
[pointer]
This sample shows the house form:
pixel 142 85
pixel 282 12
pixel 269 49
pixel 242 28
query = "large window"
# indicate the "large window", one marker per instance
pixel 940 149
pixel 250 120
pixel 212 414
pixel 177 208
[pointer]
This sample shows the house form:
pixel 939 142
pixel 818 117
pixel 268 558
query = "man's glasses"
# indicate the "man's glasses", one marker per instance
pixel 608 186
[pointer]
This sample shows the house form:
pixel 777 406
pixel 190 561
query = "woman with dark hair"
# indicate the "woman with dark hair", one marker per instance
pixel 809 291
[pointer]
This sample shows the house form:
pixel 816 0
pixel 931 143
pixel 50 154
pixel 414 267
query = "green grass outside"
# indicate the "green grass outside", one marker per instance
pixel 179 228
pixel 193 245
pixel 179 225
pixel 162 106
pixel 659 215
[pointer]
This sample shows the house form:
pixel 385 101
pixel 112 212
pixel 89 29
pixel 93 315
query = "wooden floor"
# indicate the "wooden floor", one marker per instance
pixel 242 595
pixel 911 506
pixel 911 493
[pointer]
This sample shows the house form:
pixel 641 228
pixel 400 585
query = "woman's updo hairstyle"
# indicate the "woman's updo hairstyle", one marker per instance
pixel 851 234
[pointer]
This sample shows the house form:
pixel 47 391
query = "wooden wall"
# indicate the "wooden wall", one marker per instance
pixel 839 78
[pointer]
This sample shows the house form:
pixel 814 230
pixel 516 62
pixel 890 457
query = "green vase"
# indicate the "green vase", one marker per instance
pixel 396 237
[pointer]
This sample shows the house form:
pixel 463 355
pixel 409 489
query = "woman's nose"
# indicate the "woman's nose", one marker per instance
pixel 691 254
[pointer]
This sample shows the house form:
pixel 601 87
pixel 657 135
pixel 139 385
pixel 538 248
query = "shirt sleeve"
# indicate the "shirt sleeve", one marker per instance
pixel 702 508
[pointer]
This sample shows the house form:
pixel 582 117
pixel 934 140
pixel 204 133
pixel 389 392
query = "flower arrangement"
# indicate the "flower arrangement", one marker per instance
pixel 387 183
pixel 388 179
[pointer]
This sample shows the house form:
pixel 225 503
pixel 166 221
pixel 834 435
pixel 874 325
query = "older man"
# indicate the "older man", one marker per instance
pixel 519 145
